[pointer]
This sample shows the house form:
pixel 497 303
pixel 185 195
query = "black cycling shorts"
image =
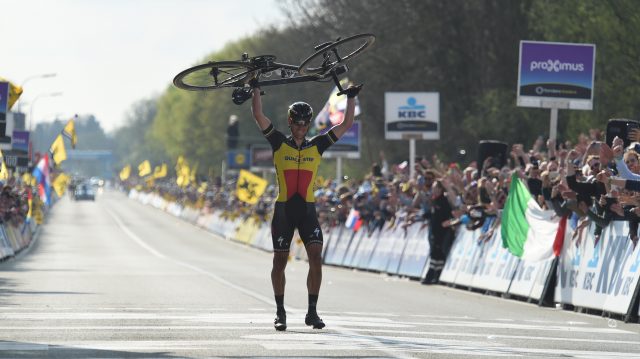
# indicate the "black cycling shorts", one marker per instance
pixel 291 215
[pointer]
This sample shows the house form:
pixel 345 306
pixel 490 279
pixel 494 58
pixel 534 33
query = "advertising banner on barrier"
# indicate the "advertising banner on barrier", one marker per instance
pixel 412 115
pixel 395 256
pixel 622 273
pixel 480 264
pixel 498 266
pixel 601 276
pixel 365 250
pixel 350 256
pixel 454 260
pixel 470 259
pixel 330 234
pixel 529 275
pixel 338 255
pixel 552 72
pixel 389 238
pixel 416 254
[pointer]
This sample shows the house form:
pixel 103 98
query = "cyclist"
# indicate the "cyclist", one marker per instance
pixel 296 160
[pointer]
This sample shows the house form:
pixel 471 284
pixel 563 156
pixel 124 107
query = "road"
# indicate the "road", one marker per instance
pixel 114 278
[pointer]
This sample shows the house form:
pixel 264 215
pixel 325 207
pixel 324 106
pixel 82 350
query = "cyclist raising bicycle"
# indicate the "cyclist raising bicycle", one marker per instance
pixel 296 160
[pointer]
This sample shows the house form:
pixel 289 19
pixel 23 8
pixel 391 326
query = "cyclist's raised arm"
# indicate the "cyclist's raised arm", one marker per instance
pixel 256 108
pixel 346 123
pixel 341 128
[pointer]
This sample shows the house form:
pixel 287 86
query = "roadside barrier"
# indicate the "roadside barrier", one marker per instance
pixel 14 239
pixel 602 277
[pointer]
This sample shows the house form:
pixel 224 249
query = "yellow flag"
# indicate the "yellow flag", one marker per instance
pixel 125 172
pixel 69 131
pixel 57 150
pixel 183 172
pixel 250 187
pixel 14 93
pixel 179 164
pixel 192 174
pixel 160 171
pixel 144 168
pixel 26 178
pixel 4 172
pixel 60 184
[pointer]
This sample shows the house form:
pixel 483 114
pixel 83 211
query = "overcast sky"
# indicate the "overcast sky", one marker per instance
pixel 108 54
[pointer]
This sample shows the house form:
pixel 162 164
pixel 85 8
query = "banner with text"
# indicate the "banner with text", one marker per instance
pixel 553 74
pixel 412 115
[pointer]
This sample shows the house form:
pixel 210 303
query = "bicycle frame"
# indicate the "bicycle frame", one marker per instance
pixel 284 79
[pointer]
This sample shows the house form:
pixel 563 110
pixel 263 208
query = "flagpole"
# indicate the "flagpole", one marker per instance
pixel 412 158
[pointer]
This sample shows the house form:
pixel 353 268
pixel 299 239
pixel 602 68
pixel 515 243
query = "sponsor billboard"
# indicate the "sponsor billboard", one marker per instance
pixel 348 146
pixel 552 74
pixel 4 102
pixel 238 159
pixel 412 115
pixel 20 141
pixel 261 157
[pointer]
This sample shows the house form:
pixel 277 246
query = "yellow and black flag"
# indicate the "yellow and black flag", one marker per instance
pixel 14 92
pixel 183 172
pixel 69 132
pixel 60 183
pixel 125 173
pixel 144 168
pixel 250 187
pixel 160 171
pixel 57 150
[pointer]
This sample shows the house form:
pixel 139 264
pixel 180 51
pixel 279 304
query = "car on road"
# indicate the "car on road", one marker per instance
pixel 84 191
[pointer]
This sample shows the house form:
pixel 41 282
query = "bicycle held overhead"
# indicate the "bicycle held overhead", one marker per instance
pixel 325 64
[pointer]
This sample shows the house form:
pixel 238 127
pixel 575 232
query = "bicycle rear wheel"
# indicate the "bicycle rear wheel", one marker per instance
pixel 213 75
pixel 326 58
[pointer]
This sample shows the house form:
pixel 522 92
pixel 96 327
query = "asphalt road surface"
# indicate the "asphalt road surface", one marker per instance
pixel 115 278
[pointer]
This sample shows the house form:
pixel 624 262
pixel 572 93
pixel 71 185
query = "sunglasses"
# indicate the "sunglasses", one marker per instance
pixel 302 124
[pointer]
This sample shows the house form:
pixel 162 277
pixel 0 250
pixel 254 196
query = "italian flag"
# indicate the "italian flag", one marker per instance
pixel 527 230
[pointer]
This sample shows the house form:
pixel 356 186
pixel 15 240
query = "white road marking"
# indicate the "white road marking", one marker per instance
pixel 134 237
pixel 480 324
pixel 262 298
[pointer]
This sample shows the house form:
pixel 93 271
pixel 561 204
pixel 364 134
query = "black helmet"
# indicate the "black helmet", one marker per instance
pixel 300 112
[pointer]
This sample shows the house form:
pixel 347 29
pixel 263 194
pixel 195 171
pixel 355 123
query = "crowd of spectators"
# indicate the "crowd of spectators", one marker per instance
pixel 587 181
pixel 14 202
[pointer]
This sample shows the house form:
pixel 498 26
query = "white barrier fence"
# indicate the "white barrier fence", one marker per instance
pixel 603 277
pixel 13 238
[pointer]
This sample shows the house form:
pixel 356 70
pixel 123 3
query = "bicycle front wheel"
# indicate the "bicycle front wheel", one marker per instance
pixel 328 57
pixel 213 75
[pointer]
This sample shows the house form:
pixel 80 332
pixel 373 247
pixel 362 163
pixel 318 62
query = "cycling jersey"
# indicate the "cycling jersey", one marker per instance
pixel 296 168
